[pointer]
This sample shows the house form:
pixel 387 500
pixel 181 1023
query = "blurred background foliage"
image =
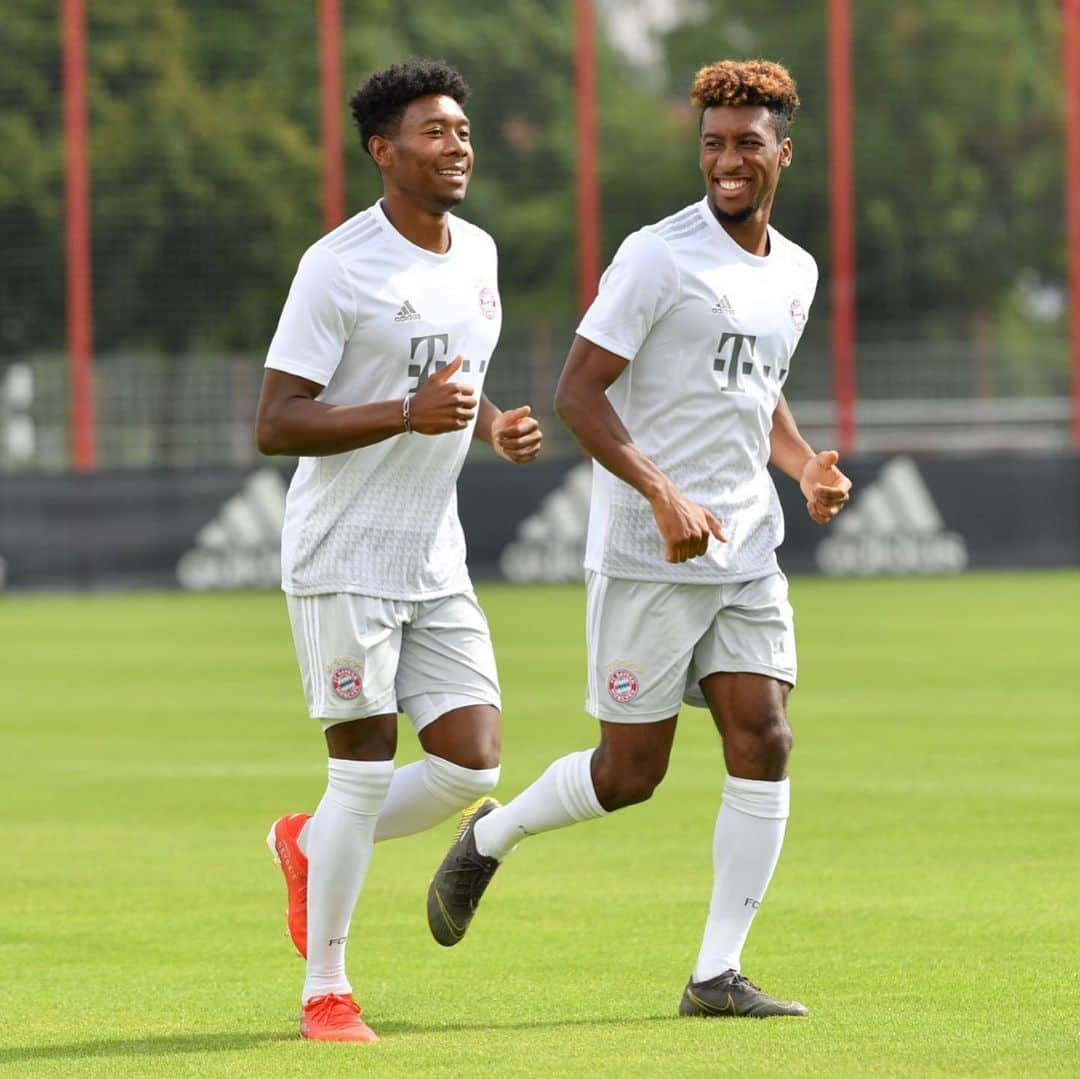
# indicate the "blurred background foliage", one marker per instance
pixel 206 164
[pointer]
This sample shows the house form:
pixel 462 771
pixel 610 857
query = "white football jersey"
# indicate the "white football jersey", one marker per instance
pixel 709 331
pixel 369 316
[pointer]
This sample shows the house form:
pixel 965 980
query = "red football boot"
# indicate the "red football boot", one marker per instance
pixel 334 1017
pixel 283 845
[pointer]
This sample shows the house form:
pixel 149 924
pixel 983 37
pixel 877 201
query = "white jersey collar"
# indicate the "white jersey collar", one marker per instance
pixel 725 239
pixel 407 244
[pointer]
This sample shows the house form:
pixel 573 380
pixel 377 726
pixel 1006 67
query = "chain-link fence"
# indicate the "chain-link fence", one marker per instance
pixel 205 190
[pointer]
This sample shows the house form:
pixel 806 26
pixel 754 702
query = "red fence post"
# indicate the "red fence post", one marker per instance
pixel 330 79
pixel 588 195
pixel 77 195
pixel 841 174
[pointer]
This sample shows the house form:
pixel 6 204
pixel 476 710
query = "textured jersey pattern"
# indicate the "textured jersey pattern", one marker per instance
pixel 369 317
pixel 708 331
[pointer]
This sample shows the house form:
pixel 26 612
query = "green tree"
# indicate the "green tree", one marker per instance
pixel 957 141
pixel 202 182
pixel 31 181
pixel 206 168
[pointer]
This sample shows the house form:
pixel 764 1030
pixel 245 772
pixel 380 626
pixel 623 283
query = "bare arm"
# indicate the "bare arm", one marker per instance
pixel 513 435
pixel 788 450
pixel 290 421
pixel 826 488
pixel 583 406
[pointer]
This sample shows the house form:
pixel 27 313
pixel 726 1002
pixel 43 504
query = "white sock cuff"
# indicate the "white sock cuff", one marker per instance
pixel 758 797
pixel 359 786
pixel 573 781
pixel 450 782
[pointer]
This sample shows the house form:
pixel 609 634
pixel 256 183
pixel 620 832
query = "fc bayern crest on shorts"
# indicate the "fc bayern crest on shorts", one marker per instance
pixel 798 315
pixel 488 304
pixel 345 679
pixel 622 685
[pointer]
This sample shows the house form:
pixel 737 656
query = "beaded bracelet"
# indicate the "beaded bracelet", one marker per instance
pixel 406 417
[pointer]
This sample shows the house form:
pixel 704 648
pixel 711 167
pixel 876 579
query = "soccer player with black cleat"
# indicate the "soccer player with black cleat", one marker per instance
pixel 685 599
pixel 730 994
pixel 374 379
pixel 462 879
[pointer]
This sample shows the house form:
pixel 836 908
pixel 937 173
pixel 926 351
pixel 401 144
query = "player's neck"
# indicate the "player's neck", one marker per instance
pixel 426 229
pixel 752 235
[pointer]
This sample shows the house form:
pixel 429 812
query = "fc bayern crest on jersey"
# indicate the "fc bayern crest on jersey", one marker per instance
pixel 345 679
pixel 622 685
pixel 798 315
pixel 488 304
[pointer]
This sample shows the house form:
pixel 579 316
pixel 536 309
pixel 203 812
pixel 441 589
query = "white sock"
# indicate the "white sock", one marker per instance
pixel 340 840
pixel 563 795
pixel 746 846
pixel 425 792
pixel 422 794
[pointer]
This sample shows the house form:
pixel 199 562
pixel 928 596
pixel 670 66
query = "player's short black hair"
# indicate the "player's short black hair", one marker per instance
pixel 380 103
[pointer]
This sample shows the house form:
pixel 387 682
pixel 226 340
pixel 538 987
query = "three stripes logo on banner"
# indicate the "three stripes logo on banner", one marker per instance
pixel 892 527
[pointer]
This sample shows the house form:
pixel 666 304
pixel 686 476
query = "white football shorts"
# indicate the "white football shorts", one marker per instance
pixel 650 643
pixel 365 656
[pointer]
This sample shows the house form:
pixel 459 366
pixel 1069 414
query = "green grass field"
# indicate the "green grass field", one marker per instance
pixel 925 908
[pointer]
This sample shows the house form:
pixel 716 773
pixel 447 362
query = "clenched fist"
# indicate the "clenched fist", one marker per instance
pixel 516 435
pixel 440 405
pixel 826 488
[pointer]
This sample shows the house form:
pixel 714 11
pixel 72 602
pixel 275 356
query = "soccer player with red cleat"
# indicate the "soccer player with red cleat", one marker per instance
pixel 284 844
pixel 374 379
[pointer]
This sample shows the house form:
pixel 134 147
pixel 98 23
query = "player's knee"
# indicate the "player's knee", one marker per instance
pixel 789 739
pixel 761 745
pixel 476 746
pixel 775 739
pixel 482 754
pixel 621 786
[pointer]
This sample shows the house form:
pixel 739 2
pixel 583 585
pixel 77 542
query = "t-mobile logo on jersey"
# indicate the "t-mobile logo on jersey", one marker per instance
pixel 430 347
pixel 432 343
pixel 731 365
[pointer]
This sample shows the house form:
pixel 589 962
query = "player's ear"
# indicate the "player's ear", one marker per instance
pixel 786 151
pixel 381 150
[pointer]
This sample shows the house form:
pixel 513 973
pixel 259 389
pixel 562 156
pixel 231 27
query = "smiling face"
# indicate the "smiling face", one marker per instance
pixel 741 159
pixel 430 158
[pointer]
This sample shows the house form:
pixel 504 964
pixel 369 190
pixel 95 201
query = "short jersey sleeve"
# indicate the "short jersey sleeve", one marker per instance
pixel 317 319
pixel 636 291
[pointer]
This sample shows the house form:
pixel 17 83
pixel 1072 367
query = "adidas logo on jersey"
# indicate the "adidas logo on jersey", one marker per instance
pixel 724 307
pixel 408 313
pixel 241 546
pixel 550 545
pixel 892 527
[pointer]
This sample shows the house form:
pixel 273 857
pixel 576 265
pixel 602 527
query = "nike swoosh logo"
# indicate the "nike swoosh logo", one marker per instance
pixel 712 1009
pixel 454 927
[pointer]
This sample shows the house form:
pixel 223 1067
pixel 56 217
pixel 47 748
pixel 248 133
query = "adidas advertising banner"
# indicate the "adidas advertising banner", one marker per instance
pixel 931 515
pixel 204 530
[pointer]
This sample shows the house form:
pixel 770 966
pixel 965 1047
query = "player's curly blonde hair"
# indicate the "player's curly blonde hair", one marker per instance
pixel 748 82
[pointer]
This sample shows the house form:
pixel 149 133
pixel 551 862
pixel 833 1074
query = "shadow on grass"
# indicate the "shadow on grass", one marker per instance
pixel 390 1027
pixel 150 1046
pixel 223 1043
